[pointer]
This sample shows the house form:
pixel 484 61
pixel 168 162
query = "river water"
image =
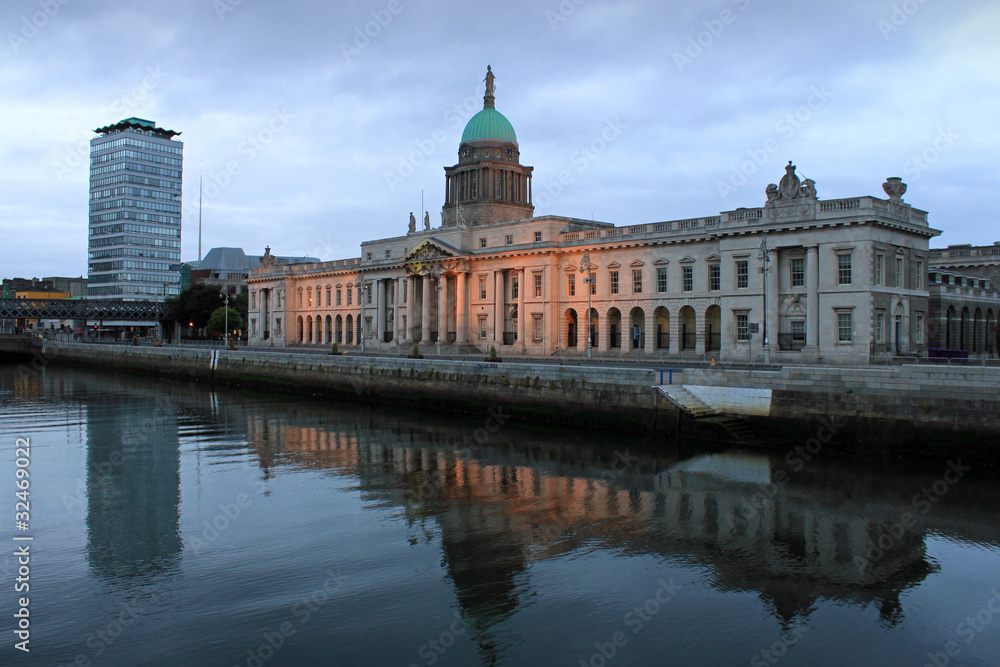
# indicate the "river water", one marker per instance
pixel 176 525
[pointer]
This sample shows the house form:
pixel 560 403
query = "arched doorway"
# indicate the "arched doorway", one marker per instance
pixel 688 328
pixel 339 329
pixel 614 328
pixel 950 325
pixel 977 330
pixel 713 328
pixel 595 326
pixel 637 328
pixel 301 332
pixel 349 327
pixel 309 327
pixel 963 332
pixel 662 316
pixel 328 322
pixel 571 327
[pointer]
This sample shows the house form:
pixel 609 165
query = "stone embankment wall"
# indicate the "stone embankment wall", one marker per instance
pixel 608 397
pixel 902 401
pixel 946 397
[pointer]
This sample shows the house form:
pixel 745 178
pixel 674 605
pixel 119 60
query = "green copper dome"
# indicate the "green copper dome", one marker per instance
pixel 489 124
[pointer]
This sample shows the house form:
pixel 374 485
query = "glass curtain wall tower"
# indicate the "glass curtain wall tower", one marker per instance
pixel 135 211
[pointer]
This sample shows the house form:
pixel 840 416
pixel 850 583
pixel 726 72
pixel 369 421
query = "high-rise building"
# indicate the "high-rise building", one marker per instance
pixel 135 211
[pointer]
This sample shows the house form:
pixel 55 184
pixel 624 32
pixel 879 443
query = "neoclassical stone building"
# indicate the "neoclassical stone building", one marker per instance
pixel 797 279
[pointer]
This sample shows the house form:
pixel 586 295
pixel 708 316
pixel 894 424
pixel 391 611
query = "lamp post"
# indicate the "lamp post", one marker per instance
pixel 364 299
pixel 585 266
pixel 224 294
pixel 765 266
pixel 436 274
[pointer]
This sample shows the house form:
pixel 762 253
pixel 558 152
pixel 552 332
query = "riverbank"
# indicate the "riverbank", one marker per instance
pixel 956 405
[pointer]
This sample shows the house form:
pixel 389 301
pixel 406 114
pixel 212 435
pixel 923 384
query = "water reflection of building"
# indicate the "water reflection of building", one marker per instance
pixel 508 504
pixel 133 484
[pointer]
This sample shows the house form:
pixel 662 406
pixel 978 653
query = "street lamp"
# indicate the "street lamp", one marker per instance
pixel 585 265
pixel 436 274
pixel 765 261
pixel 224 294
pixel 364 298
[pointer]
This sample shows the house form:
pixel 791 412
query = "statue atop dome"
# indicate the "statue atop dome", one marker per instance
pixel 488 100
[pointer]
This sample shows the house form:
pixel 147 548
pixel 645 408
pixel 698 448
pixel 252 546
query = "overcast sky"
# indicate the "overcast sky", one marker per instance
pixel 320 123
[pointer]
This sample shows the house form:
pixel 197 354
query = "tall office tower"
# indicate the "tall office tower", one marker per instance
pixel 135 211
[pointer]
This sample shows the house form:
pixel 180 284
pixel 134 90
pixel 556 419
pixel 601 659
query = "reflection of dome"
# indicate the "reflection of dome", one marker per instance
pixel 489 124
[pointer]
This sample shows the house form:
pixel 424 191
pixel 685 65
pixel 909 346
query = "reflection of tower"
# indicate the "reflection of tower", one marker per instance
pixel 133 486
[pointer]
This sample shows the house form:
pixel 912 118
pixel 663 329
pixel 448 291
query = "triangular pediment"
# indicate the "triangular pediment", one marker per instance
pixel 614 265
pixel 713 258
pixel 636 264
pixel 687 260
pixel 661 262
pixel 429 250
pixel 570 268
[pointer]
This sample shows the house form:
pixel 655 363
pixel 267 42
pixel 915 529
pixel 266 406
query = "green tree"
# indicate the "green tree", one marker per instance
pixel 195 305
pixel 217 321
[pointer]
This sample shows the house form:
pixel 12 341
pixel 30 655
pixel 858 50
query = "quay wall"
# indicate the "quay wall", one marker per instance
pixel 911 399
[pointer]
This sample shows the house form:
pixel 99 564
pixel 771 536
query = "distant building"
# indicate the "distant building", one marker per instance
pixel 797 279
pixel 963 309
pixel 981 261
pixel 230 267
pixel 135 211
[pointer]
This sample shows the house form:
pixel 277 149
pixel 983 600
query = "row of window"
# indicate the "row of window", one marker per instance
pixel 129 227
pixel 134 203
pixel 133 241
pixel 135 155
pixel 135 192
pixel 147 290
pixel 138 180
pixel 132 215
pixel 135 252
pixel 129 264
pixel 133 278
pixel 134 166
pixel 138 143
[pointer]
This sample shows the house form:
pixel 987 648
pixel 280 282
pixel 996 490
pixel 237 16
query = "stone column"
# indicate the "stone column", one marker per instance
pixel 812 296
pixel 461 310
pixel 442 326
pixel 521 315
pixel 498 308
pixel 772 299
pixel 649 329
pixel 398 335
pixel 379 309
pixel 410 310
pixel 699 327
pixel 425 311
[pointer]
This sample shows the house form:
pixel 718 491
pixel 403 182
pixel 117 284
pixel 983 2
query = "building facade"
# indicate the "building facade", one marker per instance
pixel 135 211
pixel 964 309
pixel 796 279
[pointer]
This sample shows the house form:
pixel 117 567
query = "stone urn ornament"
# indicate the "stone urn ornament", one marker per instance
pixel 894 187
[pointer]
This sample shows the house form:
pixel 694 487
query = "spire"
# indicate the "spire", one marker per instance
pixel 488 100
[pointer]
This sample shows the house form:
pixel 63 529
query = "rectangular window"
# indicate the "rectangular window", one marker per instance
pixel 482 288
pixel 879 327
pixel 879 269
pixel 798 272
pixel 349 293
pixel 899 272
pixel 369 257
pixel 799 331
pixel 742 274
pixel 482 242
pixel 406 285
pixel 687 278
pixel 368 294
pixel 253 300
pixel 714 277
pixel 918 335
pixel 614 282
pixel 514 287
pixel 636 281
pixel 339 301
pixel 919 281
pixel 844 269
pixel 388 254
pixel 538 237
pixel 537 326
pixel 742 327
pixel 845 327
pixel 571 284
pixel 509 239
pixel 661 279
pixel 329 295
pixel 482 326
pixel 593 284
pixel 538 285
